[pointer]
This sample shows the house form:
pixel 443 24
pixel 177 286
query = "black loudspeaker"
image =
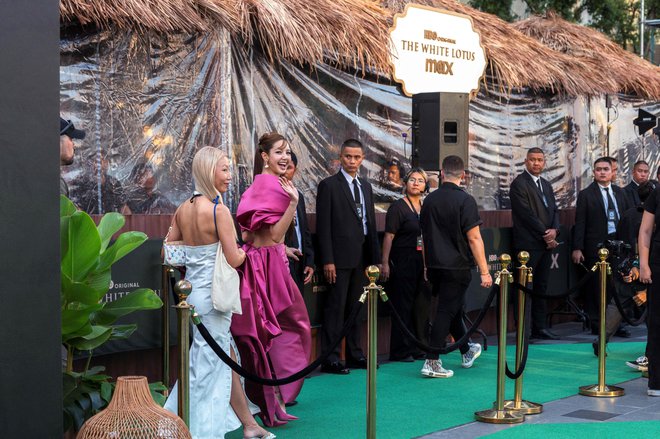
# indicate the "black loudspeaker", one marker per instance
pixel 439 128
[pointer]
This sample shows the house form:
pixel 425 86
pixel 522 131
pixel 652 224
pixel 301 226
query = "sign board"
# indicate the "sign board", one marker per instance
pixel 139 269
pixel 436 51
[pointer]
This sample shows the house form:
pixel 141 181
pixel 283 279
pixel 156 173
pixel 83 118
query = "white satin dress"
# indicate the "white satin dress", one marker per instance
pixel 211 415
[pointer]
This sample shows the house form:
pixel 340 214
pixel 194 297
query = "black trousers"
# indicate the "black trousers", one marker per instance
pixel 297 270
pixel 653 321
pixel 406 283
pixel 539 262
pixel 591 295
pixel 339 302
pixel 449 287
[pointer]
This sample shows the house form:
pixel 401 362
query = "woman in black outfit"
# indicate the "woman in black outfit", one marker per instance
pixel 402 260
pixel 649 266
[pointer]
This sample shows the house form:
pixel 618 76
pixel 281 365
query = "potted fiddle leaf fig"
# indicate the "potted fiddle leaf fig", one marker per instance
pixel 87 256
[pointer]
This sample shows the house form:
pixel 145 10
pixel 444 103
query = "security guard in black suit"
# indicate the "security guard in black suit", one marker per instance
pixel 348 242
pixel 535 229
pixel 598 210
pixel 640 174
pixel 298 238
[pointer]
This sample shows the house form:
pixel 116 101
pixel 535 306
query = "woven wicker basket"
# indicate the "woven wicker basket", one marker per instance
pixel 133 414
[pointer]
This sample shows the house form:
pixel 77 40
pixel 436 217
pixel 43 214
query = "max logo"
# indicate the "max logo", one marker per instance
pixel 440 67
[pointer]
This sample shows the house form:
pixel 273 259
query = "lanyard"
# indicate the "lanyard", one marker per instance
pixel 412 206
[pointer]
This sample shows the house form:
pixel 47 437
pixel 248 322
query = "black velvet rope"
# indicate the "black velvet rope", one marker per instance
pixel 523 362
pixel 569 292
pixel 452 347
pixel 278 381
pixel 617 301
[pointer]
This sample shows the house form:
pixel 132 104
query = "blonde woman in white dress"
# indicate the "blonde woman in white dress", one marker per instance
pixel 218 403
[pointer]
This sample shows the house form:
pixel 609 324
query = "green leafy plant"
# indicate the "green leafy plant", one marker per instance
pixel 87 321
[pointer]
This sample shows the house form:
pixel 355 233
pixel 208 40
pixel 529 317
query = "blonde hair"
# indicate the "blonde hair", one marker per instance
pixel 203 170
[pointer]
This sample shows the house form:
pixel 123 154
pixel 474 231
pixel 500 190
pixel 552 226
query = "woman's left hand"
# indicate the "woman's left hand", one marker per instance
pixel 645 274
pixel 289 188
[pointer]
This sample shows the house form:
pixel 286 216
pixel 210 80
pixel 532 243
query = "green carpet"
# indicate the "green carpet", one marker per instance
pixel 410 405
pixel 637 430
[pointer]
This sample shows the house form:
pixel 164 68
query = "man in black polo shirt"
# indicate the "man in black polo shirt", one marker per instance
pixel 452 243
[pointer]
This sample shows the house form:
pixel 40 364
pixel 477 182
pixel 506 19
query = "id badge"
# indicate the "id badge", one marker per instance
pixel 358 206
pixel 611 215
pixel 419 243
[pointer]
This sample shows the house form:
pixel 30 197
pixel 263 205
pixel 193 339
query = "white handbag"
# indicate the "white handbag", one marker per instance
pixel 225 289
pixel 174 252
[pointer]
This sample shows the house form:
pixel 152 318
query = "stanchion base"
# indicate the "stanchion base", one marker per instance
pixel 526 407
pixel 645 374
pixel 499 416
pixel 606 391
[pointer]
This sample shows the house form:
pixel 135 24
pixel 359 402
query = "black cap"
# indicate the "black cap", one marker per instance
pixel 67 127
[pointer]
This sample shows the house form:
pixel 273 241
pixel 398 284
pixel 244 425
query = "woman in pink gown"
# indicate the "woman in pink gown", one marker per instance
pixel 273 332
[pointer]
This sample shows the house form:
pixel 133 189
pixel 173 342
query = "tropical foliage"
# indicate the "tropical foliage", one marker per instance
pixel 618 19
pixel 88 322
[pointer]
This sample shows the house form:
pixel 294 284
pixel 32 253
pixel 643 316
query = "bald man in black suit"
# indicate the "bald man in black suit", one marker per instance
pixel 535 229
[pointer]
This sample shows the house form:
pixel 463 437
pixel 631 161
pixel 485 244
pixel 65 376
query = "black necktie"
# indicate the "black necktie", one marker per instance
pixel 611 207
pixel 356 192
pixel 538 184
pixel 358 202
pixel 294 236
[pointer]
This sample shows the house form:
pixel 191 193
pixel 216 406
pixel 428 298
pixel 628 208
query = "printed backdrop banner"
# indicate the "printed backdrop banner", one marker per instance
pixel 148 102
pixel 140 269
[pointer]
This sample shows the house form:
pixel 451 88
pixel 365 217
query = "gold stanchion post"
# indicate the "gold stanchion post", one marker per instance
pixel 371 293
pixel 601 389
pixel 517 403
pixel 168 272
pixel 500 415
pixel 183 288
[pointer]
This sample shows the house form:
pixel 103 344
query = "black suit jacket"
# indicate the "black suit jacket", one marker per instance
pixel 631 192
pixel 338 227
pixel 530 216
pixel 305 235
pixel 591 219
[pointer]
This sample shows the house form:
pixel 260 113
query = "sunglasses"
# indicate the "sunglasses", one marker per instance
pixel 68 125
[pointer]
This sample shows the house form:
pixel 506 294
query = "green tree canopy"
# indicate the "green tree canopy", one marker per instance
pixel 618 19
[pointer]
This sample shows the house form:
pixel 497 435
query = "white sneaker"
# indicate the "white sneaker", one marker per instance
pixel 471 355
pixel 434 369
pixel 653 392
pixel 641 364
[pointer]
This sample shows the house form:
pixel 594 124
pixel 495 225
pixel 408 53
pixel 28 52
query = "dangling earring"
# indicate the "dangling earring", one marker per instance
pixel 265 165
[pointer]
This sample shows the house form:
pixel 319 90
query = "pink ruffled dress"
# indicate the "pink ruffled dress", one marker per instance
pixel 273 333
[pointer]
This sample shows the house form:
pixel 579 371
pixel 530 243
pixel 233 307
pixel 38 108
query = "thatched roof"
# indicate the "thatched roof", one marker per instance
pixel 352 33
pixel 632 74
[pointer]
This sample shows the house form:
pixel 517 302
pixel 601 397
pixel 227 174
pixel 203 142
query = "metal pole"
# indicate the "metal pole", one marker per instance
pixel 372 291
pixel 183 310
pixel 518 404
pixel 168 272
pixel 641 30
pixel 602 389
pixel 500 415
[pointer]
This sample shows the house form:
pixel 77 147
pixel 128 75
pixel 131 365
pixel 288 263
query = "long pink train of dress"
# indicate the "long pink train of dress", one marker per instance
pixel 273 333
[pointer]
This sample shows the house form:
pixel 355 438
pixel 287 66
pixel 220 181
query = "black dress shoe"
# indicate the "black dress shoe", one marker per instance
pixel 595 346
pixel 404 359
pixel 360 363
pixel 335 367
pixel 544 334
pixel 623 332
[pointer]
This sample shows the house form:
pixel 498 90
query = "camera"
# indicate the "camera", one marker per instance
pixel 621 256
